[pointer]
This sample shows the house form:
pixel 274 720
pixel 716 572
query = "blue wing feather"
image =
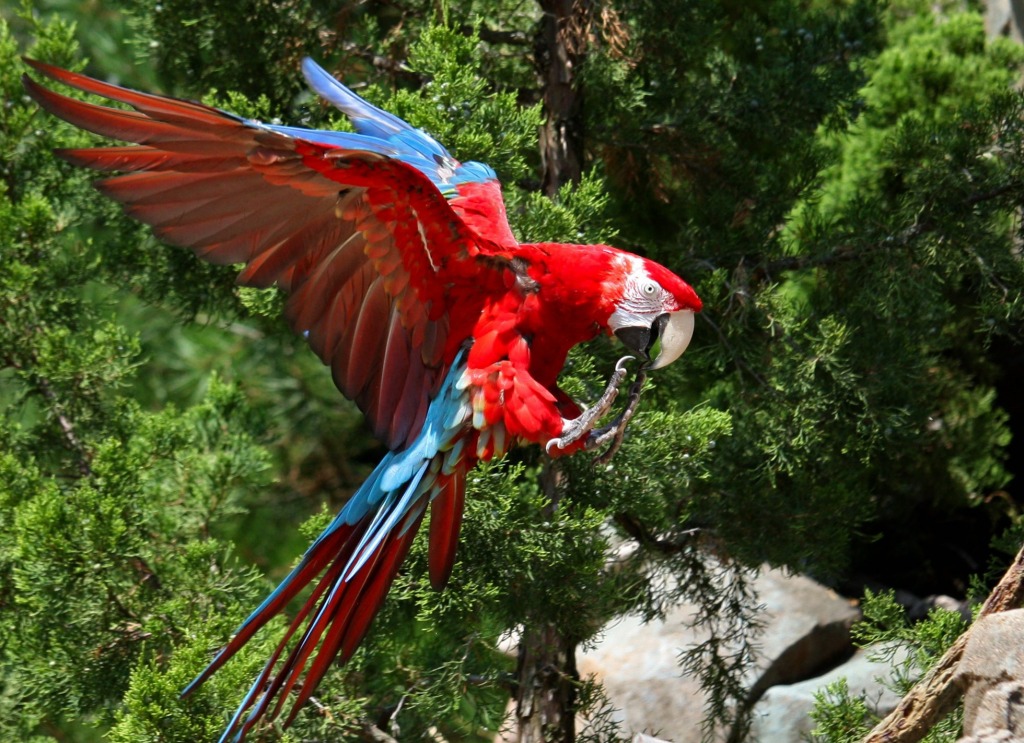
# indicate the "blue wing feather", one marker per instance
pixel 367 118
pixel 384 133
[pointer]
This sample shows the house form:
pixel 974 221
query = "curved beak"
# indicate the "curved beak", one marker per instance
pixel 664 341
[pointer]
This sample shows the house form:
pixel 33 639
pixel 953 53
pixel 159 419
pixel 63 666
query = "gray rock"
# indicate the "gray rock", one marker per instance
pixel 918 608
pixel 782 715
pixel 999 710
pixel 992 670
pixel 638 665
pixel 1004 18
pixel 807 626
pixel 807 629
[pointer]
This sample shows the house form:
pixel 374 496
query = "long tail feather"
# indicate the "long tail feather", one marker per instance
pixel 353 566
pixel 313 563
pixel 445 524
pixel 356 615
pixel 353 563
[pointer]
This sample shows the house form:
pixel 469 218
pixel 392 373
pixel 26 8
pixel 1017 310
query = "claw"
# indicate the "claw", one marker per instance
pixel 575 429
pixel 615 430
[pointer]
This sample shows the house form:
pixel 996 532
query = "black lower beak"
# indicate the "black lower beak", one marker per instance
pixel 642 339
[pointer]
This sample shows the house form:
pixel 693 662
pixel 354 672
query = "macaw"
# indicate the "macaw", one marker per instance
pixel 403 274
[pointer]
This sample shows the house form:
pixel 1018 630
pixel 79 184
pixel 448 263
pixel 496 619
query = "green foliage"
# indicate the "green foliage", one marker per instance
pixel 933 69
pixel 708 118
pixel 249 47
pixel 840 182
pixel 579 214
pixel 840 717
pixel 846 345
pixel 111 511
pixel 885 625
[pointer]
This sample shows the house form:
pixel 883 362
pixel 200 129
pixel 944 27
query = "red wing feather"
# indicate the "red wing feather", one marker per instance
pixel 368 249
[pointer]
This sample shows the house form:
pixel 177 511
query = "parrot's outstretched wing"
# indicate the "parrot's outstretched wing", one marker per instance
pixel 368 233
pixel 472 188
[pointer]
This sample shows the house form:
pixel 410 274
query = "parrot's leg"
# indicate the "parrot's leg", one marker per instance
pixel 575 429
pixel 615 430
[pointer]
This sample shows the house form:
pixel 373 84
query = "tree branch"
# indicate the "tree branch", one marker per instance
pixel 374 733
pixel 637 531
pixel 66 426
pixel 841 254
pixel 492 36
pixel 394 67
pixel 560 51
pixel 937 693
pixel 993 193
pixel 847 253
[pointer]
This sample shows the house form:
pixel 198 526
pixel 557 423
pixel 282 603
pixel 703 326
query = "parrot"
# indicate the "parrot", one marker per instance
pixel 401 271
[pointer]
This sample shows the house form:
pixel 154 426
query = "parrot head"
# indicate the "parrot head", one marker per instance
pixel 654 315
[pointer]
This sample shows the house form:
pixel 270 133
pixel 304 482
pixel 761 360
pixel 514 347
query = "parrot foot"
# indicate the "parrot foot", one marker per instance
pixel 575 429
pixel 615 430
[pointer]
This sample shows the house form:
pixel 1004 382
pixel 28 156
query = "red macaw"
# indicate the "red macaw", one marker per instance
pixel 403 274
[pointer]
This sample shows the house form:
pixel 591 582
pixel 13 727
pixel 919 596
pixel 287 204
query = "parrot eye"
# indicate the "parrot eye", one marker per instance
pixel 649 289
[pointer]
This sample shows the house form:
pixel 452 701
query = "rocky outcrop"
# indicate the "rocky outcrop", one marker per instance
pixel 783 713
pixel 806 631
pixel 992 672
pixel 1005 18
pixel 639 666
pixel 804 647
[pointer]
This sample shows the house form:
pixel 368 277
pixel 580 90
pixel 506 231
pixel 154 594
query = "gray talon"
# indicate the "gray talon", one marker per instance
pixel 577 428
pixel 583 425
pixel 615 430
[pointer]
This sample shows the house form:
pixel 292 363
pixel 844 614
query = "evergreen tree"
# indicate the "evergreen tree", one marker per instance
pixel 841 181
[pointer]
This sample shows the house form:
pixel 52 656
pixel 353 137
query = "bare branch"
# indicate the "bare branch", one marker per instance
pixel 841 254
pixel 374 733
pixel 639 532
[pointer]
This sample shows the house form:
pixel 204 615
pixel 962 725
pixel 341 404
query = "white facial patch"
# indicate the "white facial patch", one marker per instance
pixel 643 298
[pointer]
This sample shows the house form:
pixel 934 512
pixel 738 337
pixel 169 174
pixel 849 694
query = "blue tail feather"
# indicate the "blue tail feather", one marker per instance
pixel 348 555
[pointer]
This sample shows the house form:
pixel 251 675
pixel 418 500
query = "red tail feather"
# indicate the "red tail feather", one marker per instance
pixel 338 613
pixel 333 547
pixel 445 524
pixel 357 609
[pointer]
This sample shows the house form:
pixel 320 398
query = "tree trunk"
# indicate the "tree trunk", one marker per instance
pixel 546 693
pixel 546 674
pixel 561 46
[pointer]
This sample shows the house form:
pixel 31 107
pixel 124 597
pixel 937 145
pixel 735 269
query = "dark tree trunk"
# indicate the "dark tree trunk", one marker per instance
pixel 561 46
pixel 546 674
pixel 546 694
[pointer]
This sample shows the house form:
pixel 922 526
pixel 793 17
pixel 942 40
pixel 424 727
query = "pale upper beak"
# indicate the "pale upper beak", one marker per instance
pixel 673 339
pixel 663 341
